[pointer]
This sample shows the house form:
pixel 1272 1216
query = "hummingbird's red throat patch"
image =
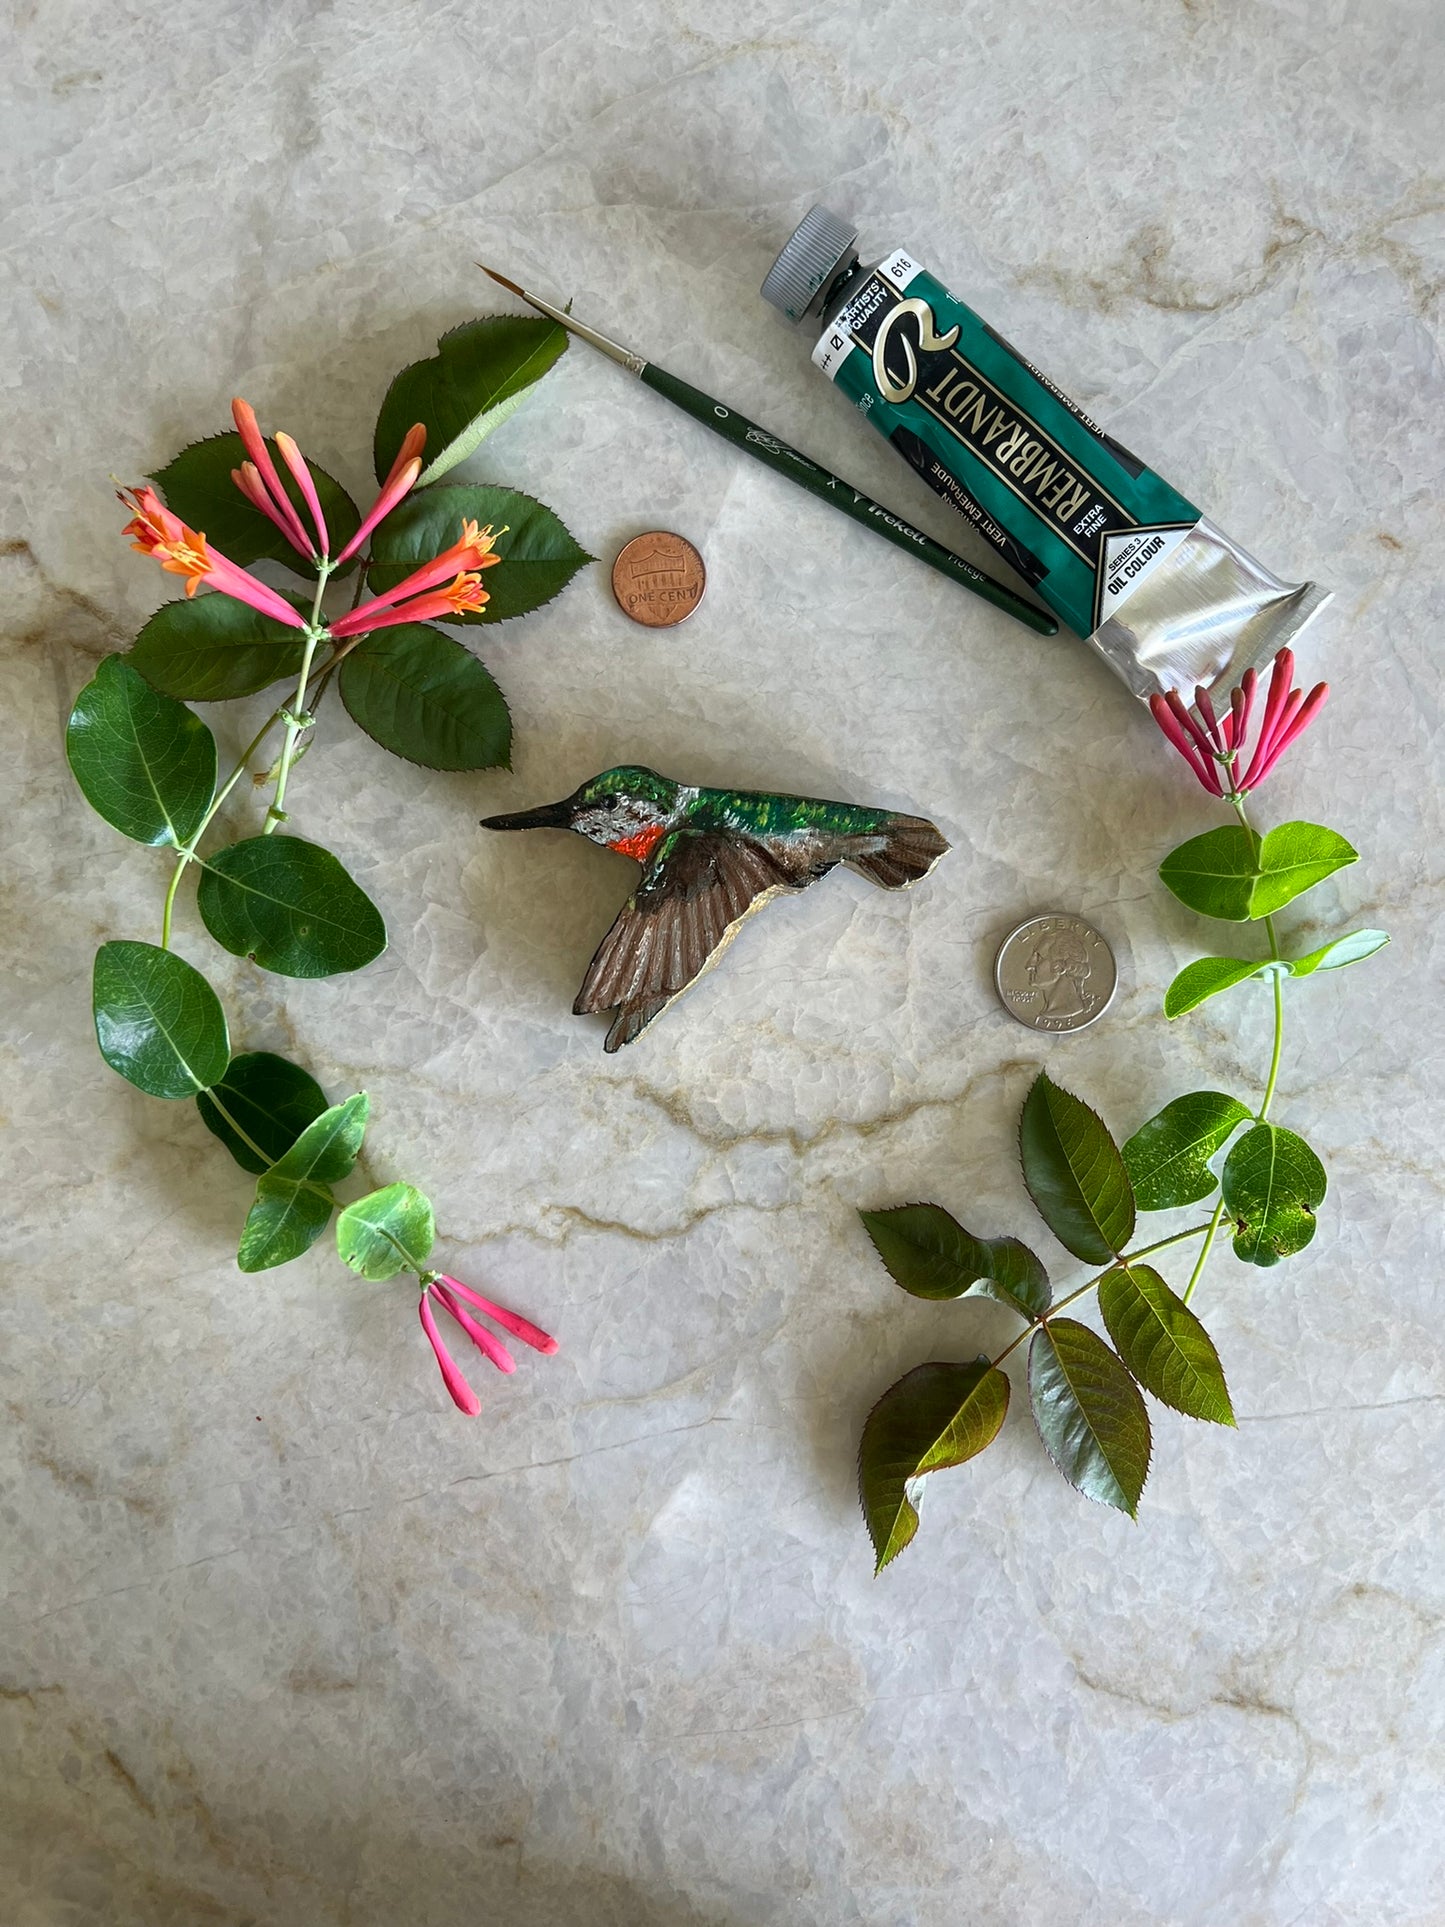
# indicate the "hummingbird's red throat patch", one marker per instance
pixel 640 844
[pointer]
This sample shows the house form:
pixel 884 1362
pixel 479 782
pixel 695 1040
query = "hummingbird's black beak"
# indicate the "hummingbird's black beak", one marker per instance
pixel 549 816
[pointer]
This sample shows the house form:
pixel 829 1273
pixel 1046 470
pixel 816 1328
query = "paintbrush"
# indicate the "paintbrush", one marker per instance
pixel 778 455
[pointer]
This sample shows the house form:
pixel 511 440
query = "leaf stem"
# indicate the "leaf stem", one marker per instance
pixel 1204 1250
pixel 295 717
pixel 187 852
pixel 1123 1258
pixel 241 1133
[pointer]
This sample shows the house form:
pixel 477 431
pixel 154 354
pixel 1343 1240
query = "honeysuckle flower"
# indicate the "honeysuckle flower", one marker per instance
pixel 410 601
pixel 448 1292
pixel 156 532
pixel 399 479
pixel 1213 746
pixel 305 481
pixel 263 486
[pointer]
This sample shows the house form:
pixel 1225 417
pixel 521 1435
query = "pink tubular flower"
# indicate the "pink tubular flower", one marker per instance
pixel 296 462
pixel 400 478
pixel 1213 746
pixel 448 1292
pixel 463 562
pixel 259 481
pixel 156 532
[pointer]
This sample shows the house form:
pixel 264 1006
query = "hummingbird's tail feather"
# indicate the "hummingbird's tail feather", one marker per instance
pixel 631 1019
pixel 911 847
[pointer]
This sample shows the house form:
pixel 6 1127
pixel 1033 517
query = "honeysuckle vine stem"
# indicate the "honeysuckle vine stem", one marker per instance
pixel 295 717
pixel 1276 976
pixel 187 853
pixel 1277 986
pixel 1124 1258
pixel 343 648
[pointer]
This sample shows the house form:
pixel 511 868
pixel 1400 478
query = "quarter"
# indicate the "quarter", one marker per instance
pixel 658 579
pixel 1055 972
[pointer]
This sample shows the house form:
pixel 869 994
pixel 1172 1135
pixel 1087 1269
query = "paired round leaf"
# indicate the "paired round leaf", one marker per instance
pixel 157 1021
pixel 293 1199
pixel 1213 873
pixel 1226 873
pixel 1089 1413
pixel 289 906
pixel 1343 950
pixel 935 1416
pixel 270 1098
pixel 1074 1173
pixel 1163 1343
pixel 1272 1184
pixel 1207 976
pixel 539 557
pixel 421 695
pixel 930 1254
pixel 1293 858
pixel 1168 1158
pixel 197 486
pixel 476 379
pixel 209 648
pixel 143 761
pixel 390 1231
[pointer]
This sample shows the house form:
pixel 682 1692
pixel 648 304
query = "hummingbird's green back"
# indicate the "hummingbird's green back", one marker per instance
pixel 762 814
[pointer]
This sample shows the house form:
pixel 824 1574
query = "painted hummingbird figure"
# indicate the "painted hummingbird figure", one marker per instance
pixel 708 858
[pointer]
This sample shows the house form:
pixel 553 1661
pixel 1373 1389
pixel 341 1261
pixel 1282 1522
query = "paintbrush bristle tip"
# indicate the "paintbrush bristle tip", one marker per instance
pixel 502 280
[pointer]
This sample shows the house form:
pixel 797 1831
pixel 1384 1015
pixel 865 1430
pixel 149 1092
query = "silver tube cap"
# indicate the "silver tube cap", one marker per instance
pixel 808 261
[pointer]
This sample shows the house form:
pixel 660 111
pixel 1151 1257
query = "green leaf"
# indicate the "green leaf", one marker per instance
pixel 1344 950
pixel 144 763
pixel 209 648
pixel 935 1416
pixel 391 1230
pixel 1089 1414
pixel 290 906
pixel 1292 859
pixel 1207 977
pixel 329 1146
pixel 157 1021
pixel 1074 1173
pixel 476 379
pixel 1168 1158
pixel 1214 873
pixel 930 1254
pixel 1163 1343
pixel 272 1099
pixel 293 1199
pixel 1272 1184
pixel 421 695
pixel 539 557
pixel 197 486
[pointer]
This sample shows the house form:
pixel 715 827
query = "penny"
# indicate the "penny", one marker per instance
pixel 658 579
pixel 1055 973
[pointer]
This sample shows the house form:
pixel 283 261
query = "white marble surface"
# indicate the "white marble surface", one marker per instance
pixel 287 1641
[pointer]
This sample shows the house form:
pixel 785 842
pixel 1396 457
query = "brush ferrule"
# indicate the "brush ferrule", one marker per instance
pixel 603 343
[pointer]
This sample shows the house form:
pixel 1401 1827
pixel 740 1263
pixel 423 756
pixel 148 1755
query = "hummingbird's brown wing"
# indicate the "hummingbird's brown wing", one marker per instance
pixel 693 895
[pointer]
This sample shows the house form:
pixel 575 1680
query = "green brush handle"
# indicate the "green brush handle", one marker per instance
pixel 817 480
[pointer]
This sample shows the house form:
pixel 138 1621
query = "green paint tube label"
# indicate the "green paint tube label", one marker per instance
pixel 1069 508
